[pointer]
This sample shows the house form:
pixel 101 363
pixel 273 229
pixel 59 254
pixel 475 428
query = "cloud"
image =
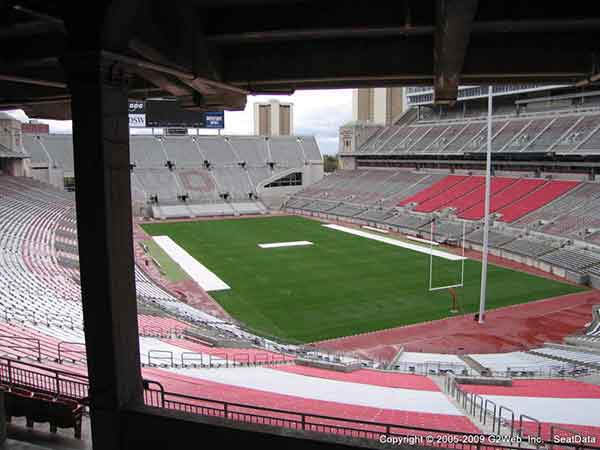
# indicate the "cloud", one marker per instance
pixel 317 113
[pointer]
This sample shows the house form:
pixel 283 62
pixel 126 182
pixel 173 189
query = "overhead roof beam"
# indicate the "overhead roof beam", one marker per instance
pixel 34 81
pixel 208 88
pixel 500 26
pixel 453 23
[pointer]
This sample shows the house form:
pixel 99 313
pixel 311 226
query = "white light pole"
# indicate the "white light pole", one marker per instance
pixel 486 217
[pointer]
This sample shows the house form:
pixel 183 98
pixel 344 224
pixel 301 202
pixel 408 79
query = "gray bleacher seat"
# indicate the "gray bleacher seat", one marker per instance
pixel 571 259
pixel 495 238
pixel 529 247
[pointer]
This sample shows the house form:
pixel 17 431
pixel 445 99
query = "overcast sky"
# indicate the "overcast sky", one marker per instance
pixel 319 113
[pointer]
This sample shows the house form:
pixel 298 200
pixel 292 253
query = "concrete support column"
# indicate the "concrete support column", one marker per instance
pixel 104 226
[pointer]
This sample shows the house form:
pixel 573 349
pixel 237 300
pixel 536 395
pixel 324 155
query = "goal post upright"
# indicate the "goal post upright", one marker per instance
pixel 462 268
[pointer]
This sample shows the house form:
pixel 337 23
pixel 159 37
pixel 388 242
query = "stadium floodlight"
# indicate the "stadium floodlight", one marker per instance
pixel 486 220
pixel 461 282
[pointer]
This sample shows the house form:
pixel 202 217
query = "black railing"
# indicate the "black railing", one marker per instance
pixel 43 379
pixel 75 386
pixel 385 433
pixel 503 417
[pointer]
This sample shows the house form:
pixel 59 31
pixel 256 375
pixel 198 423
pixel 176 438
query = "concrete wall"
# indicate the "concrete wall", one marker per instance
pixel 10 133
pixel 274 197
pixel 347 162
pixel 15 167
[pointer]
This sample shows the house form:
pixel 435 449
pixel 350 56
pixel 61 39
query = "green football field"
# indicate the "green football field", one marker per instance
pixel 341 285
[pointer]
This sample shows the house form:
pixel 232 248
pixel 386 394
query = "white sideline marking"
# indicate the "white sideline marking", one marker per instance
pixel 199 273
pixel 424 241
pixel 285 244
pixel 386 240
pixel 367 227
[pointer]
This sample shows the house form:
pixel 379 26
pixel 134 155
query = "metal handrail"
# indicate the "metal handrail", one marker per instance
pixel 168 356
pixel 37 348
pixel 512 420
pixel 185 356
pixel 539 425
pixel 315 422
pixel 57 382
pixel 60 351
pixel 155 395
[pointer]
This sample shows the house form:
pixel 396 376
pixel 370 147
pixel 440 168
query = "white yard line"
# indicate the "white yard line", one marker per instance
pixel 285 244
pixel 199 273
pixel 367 227
pixel 387 240
pixel 423 241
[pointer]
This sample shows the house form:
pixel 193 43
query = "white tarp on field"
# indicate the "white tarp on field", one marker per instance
pixel 387 240
pixel 285 244
pixel 199 273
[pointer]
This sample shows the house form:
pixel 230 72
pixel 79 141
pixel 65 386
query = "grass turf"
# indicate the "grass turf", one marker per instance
pixel 341 285
pixel 169 268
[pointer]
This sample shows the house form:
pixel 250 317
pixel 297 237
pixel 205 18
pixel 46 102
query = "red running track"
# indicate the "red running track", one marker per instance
pixel 506 329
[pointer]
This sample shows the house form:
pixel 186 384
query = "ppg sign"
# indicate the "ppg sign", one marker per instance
pixel 137 114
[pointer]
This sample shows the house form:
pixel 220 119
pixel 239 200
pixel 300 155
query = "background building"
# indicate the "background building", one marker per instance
pixel 377 105
pixel 372 108
pixel 273 118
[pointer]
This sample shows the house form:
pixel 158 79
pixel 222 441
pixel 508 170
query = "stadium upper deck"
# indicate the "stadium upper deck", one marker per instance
pixel 195 176
pixel 572 130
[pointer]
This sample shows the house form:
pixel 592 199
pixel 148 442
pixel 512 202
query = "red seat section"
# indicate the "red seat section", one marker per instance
pixel 477 195
pixel 252 397
pixel 254 355
pixel 159 325
pixel 535 200
pixel 433 190
pixel 18 341
pixel 366 376
pixel 445 197
pixel 538 388
pixel 505 197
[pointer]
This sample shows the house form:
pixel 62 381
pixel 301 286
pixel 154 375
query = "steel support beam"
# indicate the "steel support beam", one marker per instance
pixel 453 21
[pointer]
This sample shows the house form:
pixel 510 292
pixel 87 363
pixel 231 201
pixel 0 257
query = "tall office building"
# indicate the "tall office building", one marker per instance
pixel 273 118
pixel 377 105
pixel 372 108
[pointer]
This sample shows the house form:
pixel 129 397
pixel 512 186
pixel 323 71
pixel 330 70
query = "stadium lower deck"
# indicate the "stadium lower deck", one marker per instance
pixel 189 345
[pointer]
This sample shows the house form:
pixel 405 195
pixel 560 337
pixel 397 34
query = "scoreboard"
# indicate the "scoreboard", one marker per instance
pixel 168 113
